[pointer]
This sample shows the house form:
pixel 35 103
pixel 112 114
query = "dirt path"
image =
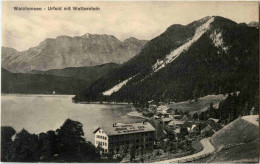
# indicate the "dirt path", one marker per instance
pixel 208 149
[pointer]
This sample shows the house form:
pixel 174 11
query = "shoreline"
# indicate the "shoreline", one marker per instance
pixel 105 102
pixel 136 114
pixel 39 95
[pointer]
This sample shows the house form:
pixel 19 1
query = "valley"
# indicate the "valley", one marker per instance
pixel 190 94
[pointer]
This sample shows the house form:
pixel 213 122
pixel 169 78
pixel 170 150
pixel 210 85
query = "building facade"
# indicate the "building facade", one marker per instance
pixel 121 136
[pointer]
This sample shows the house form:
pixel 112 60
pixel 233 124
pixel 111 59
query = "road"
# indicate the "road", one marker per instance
pixel 208 149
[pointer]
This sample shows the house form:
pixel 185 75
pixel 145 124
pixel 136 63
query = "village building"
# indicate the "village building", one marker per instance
pixel 190 125
pixel 178 123
pixel 165 121
pixel 116 136
pixel 213 119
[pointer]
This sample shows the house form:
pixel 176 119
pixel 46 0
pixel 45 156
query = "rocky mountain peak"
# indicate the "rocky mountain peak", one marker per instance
pixel 66 51
pixel 135 41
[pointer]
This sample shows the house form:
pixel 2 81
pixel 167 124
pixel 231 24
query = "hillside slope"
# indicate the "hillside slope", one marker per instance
pixel 39 84
pixel 209 56
pixel 238 131
pixel 89 74
pixel 66 51
pixel 242 139
pixel 200 106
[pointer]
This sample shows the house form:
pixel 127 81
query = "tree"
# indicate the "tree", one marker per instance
pixel 122 150
pixel 48 145
pixel 132 152
pixel 71 143
pixel 88 151
pixel 196 93
pixel 183 132
pixel 7 133
pixel 212 111
pixel 141 154
pixel 195 116
pixel 202 116
pixel 99 148
pixel 25 147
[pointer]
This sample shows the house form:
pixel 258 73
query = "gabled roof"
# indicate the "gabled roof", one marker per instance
pixel 213 119
pixel 166 119
pixel 178 122
pixel 97 130
pixel 120 129
pixel 188 123
pixel 216 126
pixel 207 128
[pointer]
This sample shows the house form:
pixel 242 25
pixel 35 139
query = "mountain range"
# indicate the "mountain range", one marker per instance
pixel 65 51
pixel 208 56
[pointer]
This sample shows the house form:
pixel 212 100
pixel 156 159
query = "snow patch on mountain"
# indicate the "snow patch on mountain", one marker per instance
pixel 176 53
pixel 218 41
pixel 116 87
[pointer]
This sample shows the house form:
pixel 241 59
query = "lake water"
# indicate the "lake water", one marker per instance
pixel 40 113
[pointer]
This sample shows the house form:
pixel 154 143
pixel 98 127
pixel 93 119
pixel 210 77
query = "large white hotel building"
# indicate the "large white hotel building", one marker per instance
pixel 111 138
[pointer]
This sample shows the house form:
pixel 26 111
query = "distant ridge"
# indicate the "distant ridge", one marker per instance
pixel 61 81
pixel 65 51
pixel 90 74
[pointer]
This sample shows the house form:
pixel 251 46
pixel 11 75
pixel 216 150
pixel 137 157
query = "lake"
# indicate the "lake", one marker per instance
pixel 40 113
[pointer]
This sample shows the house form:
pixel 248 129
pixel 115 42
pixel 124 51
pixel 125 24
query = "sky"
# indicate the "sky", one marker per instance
pixel 142 20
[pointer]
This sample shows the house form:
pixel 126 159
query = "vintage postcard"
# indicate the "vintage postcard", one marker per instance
pixel 130 81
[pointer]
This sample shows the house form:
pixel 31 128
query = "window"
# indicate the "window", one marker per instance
pixel 105 144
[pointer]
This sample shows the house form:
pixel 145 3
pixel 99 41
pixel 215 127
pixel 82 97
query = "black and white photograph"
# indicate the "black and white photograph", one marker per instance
pixel 130 81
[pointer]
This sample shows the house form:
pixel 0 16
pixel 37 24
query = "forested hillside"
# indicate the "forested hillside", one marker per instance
pixel 209 56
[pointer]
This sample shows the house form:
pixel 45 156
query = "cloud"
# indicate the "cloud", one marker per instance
pixel 143 20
